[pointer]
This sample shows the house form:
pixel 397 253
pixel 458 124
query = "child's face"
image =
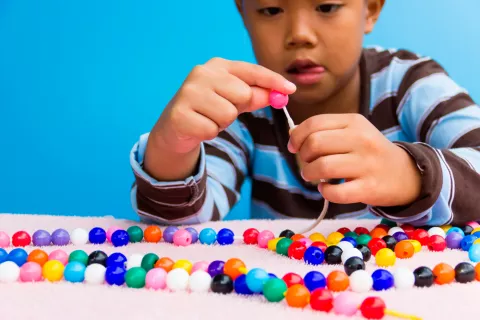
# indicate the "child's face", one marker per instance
pixel 314 43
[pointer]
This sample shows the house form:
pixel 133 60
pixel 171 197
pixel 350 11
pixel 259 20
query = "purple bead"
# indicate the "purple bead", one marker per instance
pixel 400 236
pixel 41 238
pixel 194 234
pixel 168 234
pixel 60 237
pixel 453 240
pixel 216 267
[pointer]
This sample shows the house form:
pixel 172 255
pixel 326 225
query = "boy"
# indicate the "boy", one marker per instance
pixel 392 134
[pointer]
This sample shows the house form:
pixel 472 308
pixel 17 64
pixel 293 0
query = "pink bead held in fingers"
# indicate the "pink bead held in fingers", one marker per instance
pixel 278 100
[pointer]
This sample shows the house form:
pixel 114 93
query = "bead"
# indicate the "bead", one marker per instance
pixel 475 230
pixel 394 230
pixel 317 237
pixel 443 274
pixel 321 245
pixel 240 285
pixel 296 237
pixel 199 281
pixel 225 237
pixel 378 233
pixel 97 257
pixel 216 267
pixel 409 230
pixel 59 255
pixel 334 238
pixel 234 268
pixel 376 244
pixel 207 236
pixel 351 235
pixel 53 270
pixel 135 277
pixel 445 228
pixel 467 229
pixel 345 245
pixel 4 255
pixel 274 290
pixel 400 236
pixel 346 303
pixel 120 238
pixel 476 241
pixel 4 240
pixel 168 233
pixel 453 240
pixel 38 256
pixel 382 280
pixel 222 283
pixel 314 280
pixel 292 278
pixel 95 274
pixel 364 239
pixel 197 266
pixel 152 234
pixel 97 235
pixel 457 230
pixel 404 250
pixel 193 233
pixel 385 258
pixel 41 238
pixel 474 253
pixel 337 281
pixel 135 260
pixel 477 271
pixel 403 278
pixel 21 239
pixel 286 233
pixel 272 244
pixel 361 281
pixel 361 230
pixel 110 231
pixel 417 246
pixel 277 100
pixel 60 237
pixel 467 242
pixel 166 264
pixel 283 245
pixel 373 308
pixel 421 236
pixel 473 224
pixel 388 223
pixel 31 272
pixel 321 300
pixel 390 242
pixel 264 237
pixel 78 256
pixel 307 242
pixel 464 272
pixel 250 236
pixel 135 234
pixel 9 272
pixel 353 264
pixel 115 275
pixel 296 250
pixel 79 237
pixel 116 259
pixel 436 231
pixel 423 277
pixel 156 279
pixel 436 243
pixel 343 230
pixel 18 255
pixel 74 272
pixel 333 255
pixel 182 264
pixel 297 296
pixel 256 278
pixel 148 261
pixel 383 227
pixel 349 253
pixel 313 256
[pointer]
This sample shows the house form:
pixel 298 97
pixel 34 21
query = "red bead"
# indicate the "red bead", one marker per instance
pixel 421 236
pixel 250 236
pixel 436 243
pixel 361 230
pixel 383 226
pixel 373 308
pixel 321 299
pixel 320 244
pixel 375 245
pixel 409 230
pixel 343 230
pixel 297 250
pixel 292 279
pixel 21 239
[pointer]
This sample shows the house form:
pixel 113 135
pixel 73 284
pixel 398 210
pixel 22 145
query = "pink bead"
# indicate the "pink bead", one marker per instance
pixel 346 303
pixel 4 240
pixel 31 272
pixel 278 100
pixel 473 224
pixel 201 265
pixel 307 242
pixel 110 231
pixel 156 279
pixel 182 238
pixel 59 255
pixel 264 237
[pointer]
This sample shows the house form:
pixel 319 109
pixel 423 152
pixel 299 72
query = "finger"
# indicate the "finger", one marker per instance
pixel 345 193
pixel 233 89
pixel 216 108
pixel 322 143
pixel 197 126
pixel 338 166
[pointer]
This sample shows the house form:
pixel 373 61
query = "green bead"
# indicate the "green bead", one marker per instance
pixel 283 245
pixel 351 234
pixel 135 233
pixel 149 261
pixel 389 223
pixel 274 289
pixel 364 239
pixel 135 277
pixel 79 256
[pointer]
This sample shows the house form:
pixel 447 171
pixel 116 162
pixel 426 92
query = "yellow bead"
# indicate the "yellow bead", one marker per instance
pixel 475 230
pixel 183 264
pixel 272 244
pixel 53 270
pixel 334 238
pixel 318 237
pixel 416 245
pixel 445 228
pixel 476 241
pixel 385 258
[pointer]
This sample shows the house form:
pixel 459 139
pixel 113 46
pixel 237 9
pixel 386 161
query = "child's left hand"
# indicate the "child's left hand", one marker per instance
pixel 348 146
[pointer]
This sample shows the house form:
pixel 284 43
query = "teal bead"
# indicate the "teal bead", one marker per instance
pixel 135 234
pixel 135 277
pixel 389 223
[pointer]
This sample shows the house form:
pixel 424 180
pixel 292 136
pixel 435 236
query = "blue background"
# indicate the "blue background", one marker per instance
pixel 81 80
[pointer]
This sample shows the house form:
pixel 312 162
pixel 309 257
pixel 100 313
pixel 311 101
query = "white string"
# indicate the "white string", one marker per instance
pixel 289 119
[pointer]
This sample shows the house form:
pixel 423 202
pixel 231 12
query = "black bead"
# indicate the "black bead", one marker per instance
pixel 464 272
pixel 365 250
pixel 423 277
pixel 99 257
pixel 467 229
pixel 353 264
pixel 333 255
pixel 287 233
pixel 390 241
pixel 222 283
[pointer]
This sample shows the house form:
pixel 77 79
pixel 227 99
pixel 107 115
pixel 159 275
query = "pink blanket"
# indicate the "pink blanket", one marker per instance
pixel 82 301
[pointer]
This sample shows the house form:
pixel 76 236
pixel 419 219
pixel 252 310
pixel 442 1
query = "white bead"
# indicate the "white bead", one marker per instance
pixel 135 260
pixel 352 252
pixel 345 245
pixel 403 278
pixel 9 272
pixel 394 230
pixel 200 281
pixel 95 274
pixel 361 281
pixel 177 279
pixel 79 236
pixel 436 231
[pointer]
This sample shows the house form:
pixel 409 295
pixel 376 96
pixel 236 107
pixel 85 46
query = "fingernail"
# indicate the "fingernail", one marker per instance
pixel 301 173
pixel 290 86
pixel 290 147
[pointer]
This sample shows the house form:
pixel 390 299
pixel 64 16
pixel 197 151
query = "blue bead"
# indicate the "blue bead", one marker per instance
pixel 18 255
pixel 120 238
pixel 314 256
pixel 240 285
pixel 74 272
pixel 476 234
pixel 3 255
pixel 194 234
pixel 97 236
pixel 116 259
pixel 314 280
pixel 207 236
pixel 115 275
pixel 474 253
pixel 456 229
pixel 351 240
pixel 272 276
pixel 256 278
pixel 382 280
pixel 400 236
pixel 467 242
pixel 225 236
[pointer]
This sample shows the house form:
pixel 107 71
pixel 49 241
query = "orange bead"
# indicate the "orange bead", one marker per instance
pixel 477 271
pixel 152 234
pixel 297 237
pixel 404 250
pixel 378 233
pixel 443 273
pixel 337 281
pixel 38 256
pixel 234 268
pixel 297 296
pixel 164 263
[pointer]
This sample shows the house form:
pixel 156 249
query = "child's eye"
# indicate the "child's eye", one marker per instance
pixel 270 11
pixel 328 8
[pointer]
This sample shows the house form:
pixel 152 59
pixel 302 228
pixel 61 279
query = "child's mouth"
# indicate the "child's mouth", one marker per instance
pixel 305 72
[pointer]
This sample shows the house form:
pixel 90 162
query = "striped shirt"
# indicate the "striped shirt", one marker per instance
pixel 409 98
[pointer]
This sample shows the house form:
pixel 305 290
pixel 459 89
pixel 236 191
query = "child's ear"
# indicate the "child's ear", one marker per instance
pixel 374 8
